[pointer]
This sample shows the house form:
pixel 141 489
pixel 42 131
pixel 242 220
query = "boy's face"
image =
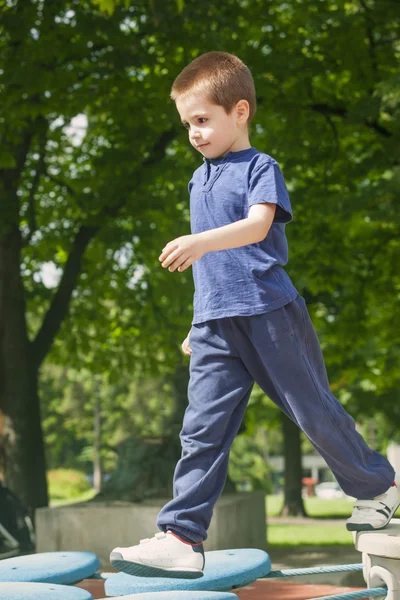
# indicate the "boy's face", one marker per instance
pixel 211 131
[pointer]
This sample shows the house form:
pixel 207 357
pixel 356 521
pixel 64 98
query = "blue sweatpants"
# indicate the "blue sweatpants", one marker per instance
pixel 280 351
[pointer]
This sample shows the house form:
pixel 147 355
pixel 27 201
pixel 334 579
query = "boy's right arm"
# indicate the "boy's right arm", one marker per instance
pixel 185 345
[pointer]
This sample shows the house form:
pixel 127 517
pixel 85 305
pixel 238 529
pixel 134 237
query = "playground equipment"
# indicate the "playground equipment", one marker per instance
pixel 225 570
pixel 16 528
pixel 62 568
pixel 41 591
pixel 381 558
pixel 48 576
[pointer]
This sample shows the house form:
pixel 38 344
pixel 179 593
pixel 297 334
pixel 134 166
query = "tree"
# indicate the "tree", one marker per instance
pixel 50 208
pixel 293 504
pixel 328 91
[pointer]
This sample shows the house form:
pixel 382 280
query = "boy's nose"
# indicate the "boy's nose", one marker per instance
pixel 194 133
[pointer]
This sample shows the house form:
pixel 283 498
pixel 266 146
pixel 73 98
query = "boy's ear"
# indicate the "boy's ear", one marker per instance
pixel 242 110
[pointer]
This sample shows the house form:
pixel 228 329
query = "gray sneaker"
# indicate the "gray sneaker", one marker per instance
pixel 376 513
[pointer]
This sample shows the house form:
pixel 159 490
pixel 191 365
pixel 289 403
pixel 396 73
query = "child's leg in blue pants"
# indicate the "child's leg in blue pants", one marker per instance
pixel 280 351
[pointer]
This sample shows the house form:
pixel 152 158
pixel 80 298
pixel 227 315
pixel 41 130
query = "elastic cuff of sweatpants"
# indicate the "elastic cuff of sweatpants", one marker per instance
pixel 190 535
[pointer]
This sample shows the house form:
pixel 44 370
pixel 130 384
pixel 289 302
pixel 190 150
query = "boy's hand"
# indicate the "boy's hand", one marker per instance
pixel 182 252
pixel 185 346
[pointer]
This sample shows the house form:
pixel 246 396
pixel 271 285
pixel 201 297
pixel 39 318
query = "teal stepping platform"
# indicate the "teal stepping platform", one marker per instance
pixel 178 596
pixel 41 591
pixel 49 567
pixel 225 570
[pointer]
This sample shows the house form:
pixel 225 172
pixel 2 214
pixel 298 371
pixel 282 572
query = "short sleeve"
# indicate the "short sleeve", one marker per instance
pixel 268 185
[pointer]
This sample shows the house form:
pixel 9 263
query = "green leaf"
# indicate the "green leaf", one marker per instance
pixel 7 160
pixel 107 6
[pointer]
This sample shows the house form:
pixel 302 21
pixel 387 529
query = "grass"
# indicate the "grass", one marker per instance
pixel 84 497
pixel 308 535
pixel 311 534
pixel 67 486
pixel 315 507
pixel 319 534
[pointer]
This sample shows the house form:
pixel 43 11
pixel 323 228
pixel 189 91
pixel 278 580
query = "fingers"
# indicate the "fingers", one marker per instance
pixel 174 259
pixel 181 263
pixel 170 247
pixel 186 348
pixel 185 265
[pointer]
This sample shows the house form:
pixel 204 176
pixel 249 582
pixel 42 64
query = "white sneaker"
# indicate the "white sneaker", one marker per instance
pixel 375 513
pixel 164 555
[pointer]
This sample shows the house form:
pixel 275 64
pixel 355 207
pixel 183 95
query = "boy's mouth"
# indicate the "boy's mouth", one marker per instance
pixel 202 146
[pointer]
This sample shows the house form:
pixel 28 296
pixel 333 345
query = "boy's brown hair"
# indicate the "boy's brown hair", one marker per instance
pixel 223 77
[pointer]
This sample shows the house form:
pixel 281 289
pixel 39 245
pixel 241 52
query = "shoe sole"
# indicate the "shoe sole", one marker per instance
pixel 368 526
pixel 139 570
pixel 362 527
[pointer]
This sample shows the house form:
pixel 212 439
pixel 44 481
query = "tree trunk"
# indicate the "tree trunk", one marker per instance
pixel 293 502
pixel 97 467
pixel 21 437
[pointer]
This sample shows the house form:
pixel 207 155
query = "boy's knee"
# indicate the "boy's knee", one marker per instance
pixel 199 440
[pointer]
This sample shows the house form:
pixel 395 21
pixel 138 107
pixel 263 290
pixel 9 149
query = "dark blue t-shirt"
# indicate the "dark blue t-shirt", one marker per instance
pixel 248 280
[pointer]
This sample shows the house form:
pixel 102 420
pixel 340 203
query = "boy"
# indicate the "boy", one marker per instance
pixel 249 324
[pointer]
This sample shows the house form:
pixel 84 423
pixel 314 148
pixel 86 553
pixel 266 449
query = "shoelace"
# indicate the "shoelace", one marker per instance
pixel 158 536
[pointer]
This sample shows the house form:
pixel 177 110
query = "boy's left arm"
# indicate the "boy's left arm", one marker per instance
pixel 180 253
pixel 247 231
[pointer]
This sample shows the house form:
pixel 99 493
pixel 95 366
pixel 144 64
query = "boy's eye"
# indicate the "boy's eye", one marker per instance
pixel 200 120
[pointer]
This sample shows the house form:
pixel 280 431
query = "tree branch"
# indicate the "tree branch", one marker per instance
pixel 378 128
pixel 61 300
pixel 325 109
pixel 68 187
pixel 59 306
pixel 155 156
pixel 159 147
pixel 41 169
pixel 63 184
pixel 389 40
pixel 371 41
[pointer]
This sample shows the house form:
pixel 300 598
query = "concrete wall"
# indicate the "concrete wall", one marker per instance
pixel 239 521
pixel 393 454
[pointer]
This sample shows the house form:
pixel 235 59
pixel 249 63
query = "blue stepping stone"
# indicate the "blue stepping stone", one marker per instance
pixel 225 570
pixel 50 567
pixel 178 596
pixel 41 591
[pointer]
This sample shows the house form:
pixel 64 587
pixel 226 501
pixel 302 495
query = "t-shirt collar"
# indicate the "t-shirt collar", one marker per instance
pixel 229 156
